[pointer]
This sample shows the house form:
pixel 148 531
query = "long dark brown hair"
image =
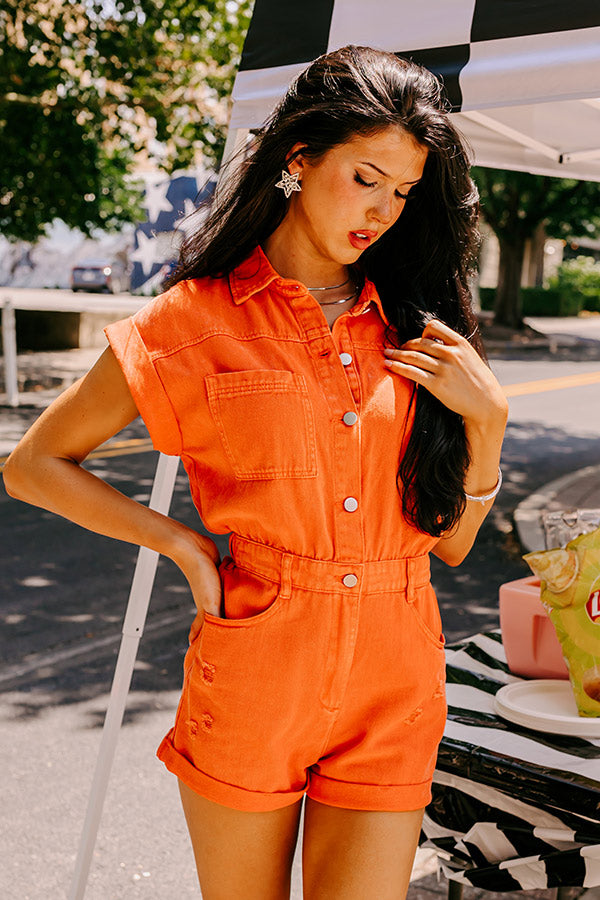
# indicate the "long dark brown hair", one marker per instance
pixel 420 266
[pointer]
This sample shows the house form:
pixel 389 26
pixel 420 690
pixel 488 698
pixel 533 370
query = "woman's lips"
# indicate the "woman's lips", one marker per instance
pixel 361 239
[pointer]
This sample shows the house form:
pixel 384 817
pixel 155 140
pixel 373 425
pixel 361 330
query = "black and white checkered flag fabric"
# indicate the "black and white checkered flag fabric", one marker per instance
pixel 534 63
pixel 513 808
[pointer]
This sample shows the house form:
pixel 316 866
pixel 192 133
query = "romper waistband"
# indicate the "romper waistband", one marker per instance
pixel 325 575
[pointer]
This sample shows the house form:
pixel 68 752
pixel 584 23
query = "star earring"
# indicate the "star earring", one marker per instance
pixel 289 183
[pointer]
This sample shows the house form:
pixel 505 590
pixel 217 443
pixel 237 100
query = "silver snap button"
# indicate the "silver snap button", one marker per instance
pixel 350 418
pixel 350 580
pixel 350 504
pixel 345 358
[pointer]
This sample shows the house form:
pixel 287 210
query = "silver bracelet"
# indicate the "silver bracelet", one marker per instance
pixel 483 498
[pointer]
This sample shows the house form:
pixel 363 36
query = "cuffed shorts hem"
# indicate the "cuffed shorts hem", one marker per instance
pixel 219 791
pixel 374 797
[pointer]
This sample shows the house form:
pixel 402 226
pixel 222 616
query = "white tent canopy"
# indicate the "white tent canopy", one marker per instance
pixel 523 76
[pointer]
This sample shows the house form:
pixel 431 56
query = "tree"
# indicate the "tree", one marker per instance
pixel 90 88
pixel 515 205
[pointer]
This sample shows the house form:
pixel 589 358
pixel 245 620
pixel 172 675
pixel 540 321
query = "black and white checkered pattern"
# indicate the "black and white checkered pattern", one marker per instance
pixel 531 62
pixel 513 809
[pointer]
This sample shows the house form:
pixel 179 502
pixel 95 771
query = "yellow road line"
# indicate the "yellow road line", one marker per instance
pixel 115 448
pixel 551 384
pixel 122 448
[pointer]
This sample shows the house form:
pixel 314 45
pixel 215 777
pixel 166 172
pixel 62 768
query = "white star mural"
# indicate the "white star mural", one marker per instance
pixel 146 252
pixel 183 223
pixel 156 201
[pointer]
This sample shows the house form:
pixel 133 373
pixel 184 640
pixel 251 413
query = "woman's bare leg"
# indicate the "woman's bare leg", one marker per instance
pixel 351 853
pixel 241 854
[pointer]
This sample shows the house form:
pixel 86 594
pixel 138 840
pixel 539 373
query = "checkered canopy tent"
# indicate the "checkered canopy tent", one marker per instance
pixel 523 76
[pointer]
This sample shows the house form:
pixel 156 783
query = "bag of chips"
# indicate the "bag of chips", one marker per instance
pixel 570 592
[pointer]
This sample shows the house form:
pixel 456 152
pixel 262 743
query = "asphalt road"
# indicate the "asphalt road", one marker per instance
pixel 62 597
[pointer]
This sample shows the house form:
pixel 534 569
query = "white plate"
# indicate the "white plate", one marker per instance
pixel 545 704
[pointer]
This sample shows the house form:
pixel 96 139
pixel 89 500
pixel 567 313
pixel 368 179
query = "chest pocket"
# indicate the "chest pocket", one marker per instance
pixel 265 422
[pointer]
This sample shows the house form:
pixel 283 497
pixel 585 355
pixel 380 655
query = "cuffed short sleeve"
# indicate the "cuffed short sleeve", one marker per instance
pixel 146 386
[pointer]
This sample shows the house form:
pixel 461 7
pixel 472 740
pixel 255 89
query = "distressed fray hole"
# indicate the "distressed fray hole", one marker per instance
pixel 207 722
pixel 208 673
pixel 416 714
pixel 439 691
pixel 193 726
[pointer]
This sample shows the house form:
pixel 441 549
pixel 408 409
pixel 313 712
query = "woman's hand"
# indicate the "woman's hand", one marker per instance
pixel 448 366
pixel 198 558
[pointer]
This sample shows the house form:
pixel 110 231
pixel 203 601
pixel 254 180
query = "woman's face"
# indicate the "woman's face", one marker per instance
pixel 353 194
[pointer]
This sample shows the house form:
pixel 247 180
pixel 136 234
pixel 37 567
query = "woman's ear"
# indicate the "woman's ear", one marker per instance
pixel 295 160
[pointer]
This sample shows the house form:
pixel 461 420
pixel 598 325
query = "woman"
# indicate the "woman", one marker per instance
pixel 316 365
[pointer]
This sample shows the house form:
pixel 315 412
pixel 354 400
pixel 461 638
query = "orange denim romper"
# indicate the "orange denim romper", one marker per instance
pixel 326 674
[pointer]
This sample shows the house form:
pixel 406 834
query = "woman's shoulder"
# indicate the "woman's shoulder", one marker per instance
pixel 183 313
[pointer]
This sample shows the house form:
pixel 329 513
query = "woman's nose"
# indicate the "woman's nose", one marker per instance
pixel 385 211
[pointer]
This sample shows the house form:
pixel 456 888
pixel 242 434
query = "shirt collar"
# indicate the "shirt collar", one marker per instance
pixel 251 276
pixel 256 273
pixel 367 297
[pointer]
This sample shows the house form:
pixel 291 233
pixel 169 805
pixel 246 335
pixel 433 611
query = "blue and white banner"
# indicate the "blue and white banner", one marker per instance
pixel 170 204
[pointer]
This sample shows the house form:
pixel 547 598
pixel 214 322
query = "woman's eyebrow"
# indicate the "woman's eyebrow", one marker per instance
pixel 381 172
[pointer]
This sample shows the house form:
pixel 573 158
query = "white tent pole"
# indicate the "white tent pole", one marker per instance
pixel 512 133
pixel 9 345
pixel 579 155
pixel 133 626
pixel 236 138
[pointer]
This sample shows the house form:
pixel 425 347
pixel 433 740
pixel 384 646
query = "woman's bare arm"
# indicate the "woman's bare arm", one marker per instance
pixel 45 470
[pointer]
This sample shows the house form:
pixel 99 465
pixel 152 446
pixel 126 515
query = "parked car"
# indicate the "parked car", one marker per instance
pixel 100 275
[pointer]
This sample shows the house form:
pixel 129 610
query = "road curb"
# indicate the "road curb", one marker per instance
pixel 527 515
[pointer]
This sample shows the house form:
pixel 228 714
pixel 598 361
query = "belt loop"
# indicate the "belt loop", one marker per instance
pixel 285 587
pixel 411 594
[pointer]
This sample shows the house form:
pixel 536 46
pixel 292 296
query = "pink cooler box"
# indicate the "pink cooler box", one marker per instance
pixel 532 648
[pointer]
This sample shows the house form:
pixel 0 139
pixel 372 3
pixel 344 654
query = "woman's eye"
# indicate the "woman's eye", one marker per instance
pixel 360 180
pixel 371 184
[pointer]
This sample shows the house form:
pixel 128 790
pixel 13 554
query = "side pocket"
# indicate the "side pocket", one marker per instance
pixel 248 598
pixel 425 610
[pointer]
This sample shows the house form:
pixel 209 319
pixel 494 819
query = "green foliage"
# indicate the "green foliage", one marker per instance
pixel 89 88
pixel 515 203
pixel 64 172
pixel 537 301
pixel 579 279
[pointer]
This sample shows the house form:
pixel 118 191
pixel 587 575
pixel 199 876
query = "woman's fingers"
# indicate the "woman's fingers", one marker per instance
pixel 206 587
pixel 415 359
pixel 438 330
pixel 444 363
pixel 196 626
pixel 198 558
pixel 431 347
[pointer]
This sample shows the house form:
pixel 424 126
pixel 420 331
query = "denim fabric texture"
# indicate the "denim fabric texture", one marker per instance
pixel 326 674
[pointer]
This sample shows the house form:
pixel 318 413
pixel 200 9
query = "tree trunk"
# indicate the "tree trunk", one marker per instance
pixel 536 256
pixel 508 307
